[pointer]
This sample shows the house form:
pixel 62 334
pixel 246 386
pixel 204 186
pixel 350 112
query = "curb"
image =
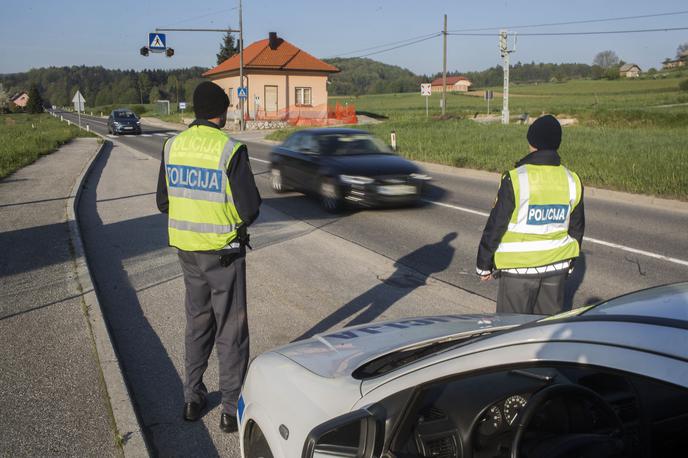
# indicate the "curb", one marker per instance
pixel 127 427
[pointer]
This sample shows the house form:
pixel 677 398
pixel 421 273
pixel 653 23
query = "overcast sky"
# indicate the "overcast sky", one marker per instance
pixel 41 33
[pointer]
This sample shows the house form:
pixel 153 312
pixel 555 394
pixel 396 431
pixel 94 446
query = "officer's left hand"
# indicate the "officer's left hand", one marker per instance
pixel 487 277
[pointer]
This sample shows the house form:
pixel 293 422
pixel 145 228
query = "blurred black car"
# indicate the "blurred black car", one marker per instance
pixel 343 166
pixel 123 121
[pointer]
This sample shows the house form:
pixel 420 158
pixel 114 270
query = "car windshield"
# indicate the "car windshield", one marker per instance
pixel 351 144
pixel 124 115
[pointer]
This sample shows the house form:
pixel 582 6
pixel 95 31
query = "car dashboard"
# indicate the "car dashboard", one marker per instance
pixel 478 416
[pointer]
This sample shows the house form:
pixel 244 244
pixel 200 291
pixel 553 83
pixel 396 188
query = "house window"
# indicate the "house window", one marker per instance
pixel 230 93
pixel 303 96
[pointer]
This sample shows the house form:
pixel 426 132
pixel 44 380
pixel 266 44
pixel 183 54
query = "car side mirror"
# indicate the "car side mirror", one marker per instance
pixel 355 434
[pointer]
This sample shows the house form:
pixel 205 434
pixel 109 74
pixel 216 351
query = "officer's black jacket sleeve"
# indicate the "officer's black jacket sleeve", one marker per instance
pixel 161 194
pixel 496 225
pixel 246 196
pixel 577 221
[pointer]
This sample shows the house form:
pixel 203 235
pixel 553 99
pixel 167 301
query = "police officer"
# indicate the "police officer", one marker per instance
pixel 207 187
pixel 535 229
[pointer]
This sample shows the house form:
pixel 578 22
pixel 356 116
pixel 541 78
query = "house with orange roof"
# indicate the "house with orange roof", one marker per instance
pixel 454 84
pixel 283 81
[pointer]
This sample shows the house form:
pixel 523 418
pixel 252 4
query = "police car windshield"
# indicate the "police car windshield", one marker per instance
pixel 124 115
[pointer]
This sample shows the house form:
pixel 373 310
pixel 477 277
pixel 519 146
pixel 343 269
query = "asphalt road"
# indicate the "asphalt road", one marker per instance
pixel 319 270
pixel 625 240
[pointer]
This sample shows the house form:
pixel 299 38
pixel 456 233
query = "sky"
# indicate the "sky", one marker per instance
pixel 42 33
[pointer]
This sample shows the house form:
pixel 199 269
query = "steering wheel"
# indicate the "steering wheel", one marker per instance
pixel 583 444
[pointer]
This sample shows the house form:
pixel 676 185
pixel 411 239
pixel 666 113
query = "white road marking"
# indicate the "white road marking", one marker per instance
pixel 146 135
pixel 112 136
pixel 171 133
pixel 587 239
pixel 160 135
pixel 259 160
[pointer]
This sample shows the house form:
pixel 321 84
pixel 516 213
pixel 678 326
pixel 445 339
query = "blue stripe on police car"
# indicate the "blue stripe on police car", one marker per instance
pixel 547 214
pixel 196 178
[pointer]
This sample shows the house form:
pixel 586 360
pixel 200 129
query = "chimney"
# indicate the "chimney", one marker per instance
pixel 273 40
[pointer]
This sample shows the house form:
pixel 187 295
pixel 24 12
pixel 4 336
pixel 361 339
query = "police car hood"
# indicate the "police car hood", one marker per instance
pixel 339 353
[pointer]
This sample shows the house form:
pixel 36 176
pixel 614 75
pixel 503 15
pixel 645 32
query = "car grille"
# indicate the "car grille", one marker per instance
pixel 392 179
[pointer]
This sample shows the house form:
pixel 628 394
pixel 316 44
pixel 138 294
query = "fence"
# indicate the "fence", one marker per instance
pixel 319 115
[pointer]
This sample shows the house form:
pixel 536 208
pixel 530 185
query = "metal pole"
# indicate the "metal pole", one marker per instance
pixel 427 114
pixel 241 64
pixel 444 69
pixel 504 49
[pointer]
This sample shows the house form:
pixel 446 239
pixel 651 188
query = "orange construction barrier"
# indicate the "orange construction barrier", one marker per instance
pixel 319 115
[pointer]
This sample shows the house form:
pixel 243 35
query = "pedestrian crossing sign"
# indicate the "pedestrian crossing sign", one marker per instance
pixel 242 92
pixel 156 42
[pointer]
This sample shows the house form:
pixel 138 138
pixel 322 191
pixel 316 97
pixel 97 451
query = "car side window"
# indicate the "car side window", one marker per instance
pixel 309 145
pixel 292 142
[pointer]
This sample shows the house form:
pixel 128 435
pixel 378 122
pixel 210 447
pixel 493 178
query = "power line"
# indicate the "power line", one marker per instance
pixel 603 32
pixel 226 10
pixel 586 21
pixel 402 46
pixel 431 35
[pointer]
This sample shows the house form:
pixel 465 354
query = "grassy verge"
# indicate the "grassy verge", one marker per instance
pixel 24 138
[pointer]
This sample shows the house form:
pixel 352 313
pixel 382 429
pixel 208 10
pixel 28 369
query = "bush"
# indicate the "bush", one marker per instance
pixel 683 85
pixel 138 109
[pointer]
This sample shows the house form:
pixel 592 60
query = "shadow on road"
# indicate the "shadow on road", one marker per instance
pixel 374 302
pixel 574 282
pixel 150 372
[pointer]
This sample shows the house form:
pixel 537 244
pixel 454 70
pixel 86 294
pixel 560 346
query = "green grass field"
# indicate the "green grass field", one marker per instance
pixel 24 138
pixel 626 139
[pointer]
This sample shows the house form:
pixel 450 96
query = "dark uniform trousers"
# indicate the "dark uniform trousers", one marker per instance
pixel 215 314
pixel 540 295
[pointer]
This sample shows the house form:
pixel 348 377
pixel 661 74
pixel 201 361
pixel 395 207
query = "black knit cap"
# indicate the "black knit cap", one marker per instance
pixel 210 101
pixel 545 133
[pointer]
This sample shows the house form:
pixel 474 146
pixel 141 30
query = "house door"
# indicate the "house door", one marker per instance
pixel 270 99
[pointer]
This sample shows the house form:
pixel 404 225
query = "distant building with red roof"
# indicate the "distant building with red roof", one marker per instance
pixel 454 84
pixel 281 79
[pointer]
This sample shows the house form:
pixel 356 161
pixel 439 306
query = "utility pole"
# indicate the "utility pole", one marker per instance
pixel 241 64
pixel 504 52
pixel 444 69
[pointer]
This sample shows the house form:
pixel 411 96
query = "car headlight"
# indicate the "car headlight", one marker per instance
pixel 420 176
pixel 351 179
pixel 138 123
pixel 115 123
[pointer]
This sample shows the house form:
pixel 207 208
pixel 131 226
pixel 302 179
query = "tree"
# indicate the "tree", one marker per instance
pixel 154 95
pixel 681 50
pixel 173 87
pixel 606 59
pixel 4 100
pixel 144 84
pixel 35 104
pixel 228 47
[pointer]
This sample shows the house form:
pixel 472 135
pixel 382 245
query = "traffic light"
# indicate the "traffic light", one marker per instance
pixel 144 51
pixel 169 52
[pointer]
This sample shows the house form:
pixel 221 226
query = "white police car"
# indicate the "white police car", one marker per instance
pixel 609 380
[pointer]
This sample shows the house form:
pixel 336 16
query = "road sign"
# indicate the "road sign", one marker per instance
pixel 489 95
pixel 79 101
pixel 426 89
pixel 157 42
pixel 182 105
pixel 242 92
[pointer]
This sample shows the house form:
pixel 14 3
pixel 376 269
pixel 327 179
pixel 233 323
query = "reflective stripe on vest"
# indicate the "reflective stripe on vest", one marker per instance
pixel 538 230
pixel 202 214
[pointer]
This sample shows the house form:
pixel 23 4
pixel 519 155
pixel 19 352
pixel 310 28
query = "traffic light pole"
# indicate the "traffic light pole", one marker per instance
pixel 241 52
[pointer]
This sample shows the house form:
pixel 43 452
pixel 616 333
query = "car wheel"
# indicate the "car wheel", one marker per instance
pixel 276 180
pixel 257 446
pixel 330 195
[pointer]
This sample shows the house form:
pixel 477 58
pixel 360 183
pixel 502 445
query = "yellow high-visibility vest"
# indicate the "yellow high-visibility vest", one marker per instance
pixel 544 198
pixel 202 215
